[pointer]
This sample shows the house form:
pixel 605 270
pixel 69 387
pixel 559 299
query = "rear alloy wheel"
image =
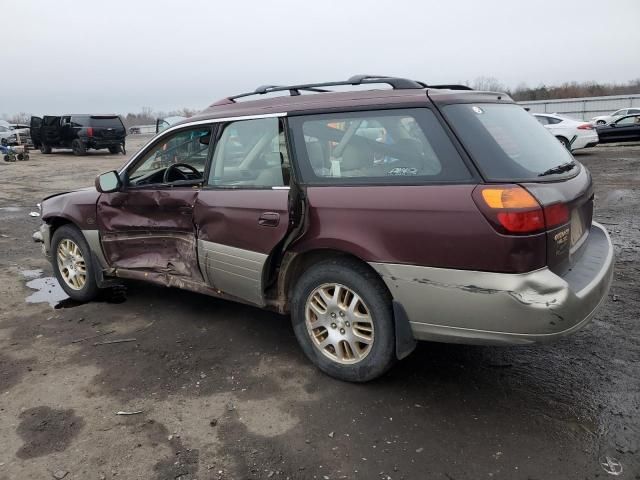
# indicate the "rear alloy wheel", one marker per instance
pixel 78 147
pixel 71 259
pixel 345 337
pixel 565 143
pixel 342 318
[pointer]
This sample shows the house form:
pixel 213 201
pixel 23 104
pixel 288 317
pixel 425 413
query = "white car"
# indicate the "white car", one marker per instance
pixel 607 119
pixel 7 136
pixel 573 134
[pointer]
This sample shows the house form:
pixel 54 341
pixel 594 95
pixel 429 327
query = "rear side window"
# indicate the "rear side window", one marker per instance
pixel 376 147
pixel 506 142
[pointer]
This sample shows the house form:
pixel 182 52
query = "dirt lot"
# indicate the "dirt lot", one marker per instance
pixel 225 393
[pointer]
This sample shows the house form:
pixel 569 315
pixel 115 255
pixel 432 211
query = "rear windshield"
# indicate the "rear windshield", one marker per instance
pixel 507 143
pixel 105 122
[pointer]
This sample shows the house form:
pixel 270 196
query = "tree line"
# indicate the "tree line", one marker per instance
pixel 552 92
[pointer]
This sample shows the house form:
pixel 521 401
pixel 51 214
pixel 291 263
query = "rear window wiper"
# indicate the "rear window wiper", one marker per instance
pixel 564 167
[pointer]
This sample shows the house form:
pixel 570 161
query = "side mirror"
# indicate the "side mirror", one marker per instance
pixel 612 124
pixel 108 182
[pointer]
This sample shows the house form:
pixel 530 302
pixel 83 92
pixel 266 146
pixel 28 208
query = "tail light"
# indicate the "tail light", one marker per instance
pixel 90 131
pixel 513 210
pixel 585 126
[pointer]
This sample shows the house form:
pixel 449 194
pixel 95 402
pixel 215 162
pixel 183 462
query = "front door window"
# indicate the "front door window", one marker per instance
pixel 251 154
pixel 177 158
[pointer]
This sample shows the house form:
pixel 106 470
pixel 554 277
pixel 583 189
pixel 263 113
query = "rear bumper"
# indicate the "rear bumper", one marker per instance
pixel 586 140
pixel 98 144
pixel 459 306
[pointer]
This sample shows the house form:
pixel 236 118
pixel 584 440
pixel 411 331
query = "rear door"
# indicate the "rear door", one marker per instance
pixel 50 130
pixel 241 214
pixel 34 130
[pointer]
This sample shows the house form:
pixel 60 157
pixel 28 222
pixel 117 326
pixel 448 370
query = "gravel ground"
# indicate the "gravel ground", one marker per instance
pixel 224 392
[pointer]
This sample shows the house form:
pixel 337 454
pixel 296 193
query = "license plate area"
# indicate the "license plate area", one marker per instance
pixel 577 227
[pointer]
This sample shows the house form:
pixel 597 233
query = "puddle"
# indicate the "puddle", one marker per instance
pixel 47 290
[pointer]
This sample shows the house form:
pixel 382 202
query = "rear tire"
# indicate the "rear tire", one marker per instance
pixel 342 317
pixel 565 143
pixel 45 149
pixel 114 150
pixel 78 147
pixel 71 261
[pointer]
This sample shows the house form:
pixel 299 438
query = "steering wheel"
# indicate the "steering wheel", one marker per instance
pixel 171 168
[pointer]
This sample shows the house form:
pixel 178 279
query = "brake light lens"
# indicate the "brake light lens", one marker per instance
pixel 556 214
pixel 585 126
pixel 90 131
pixel 513 210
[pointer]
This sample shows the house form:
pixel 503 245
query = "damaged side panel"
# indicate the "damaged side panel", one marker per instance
pixel 522 304
pixel 152 231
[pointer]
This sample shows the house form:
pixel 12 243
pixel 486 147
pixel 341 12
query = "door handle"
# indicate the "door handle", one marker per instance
pixel 269 219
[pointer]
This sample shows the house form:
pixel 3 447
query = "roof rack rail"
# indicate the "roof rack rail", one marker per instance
pixel 294 90
pixel 451 87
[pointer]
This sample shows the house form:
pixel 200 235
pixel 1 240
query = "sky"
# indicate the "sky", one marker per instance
pixel 72 56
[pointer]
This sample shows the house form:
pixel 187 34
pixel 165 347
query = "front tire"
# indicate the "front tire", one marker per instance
pixel 71 260
pixel 78 147
pixel 342 317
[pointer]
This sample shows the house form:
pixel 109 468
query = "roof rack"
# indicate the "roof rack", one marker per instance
pixel 294 90
pixel 396 83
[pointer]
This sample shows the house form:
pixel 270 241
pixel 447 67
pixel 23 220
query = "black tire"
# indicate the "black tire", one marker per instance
pixel 90 289
pixel 78 147
pixel 366 284
pixel 565 143
pixel 45 149
pixel 114 150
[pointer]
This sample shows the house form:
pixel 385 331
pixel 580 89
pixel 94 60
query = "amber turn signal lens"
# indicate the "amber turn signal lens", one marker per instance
pixel 509 197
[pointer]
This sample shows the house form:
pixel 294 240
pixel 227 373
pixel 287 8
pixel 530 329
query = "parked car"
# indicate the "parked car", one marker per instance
pixel 23 133
pixel 625 129
pixel 572 134
pixel 605 119
pixel 78 132
pixel 374 218
pixel 7 135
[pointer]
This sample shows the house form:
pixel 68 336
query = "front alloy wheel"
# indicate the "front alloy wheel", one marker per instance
pixel 71 264
pixel 339 323
pixel 71 260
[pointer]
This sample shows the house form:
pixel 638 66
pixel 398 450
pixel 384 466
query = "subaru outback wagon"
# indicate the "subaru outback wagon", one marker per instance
pixel 375 218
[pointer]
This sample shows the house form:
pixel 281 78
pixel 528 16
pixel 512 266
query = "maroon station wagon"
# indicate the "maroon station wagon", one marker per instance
pixel 375 218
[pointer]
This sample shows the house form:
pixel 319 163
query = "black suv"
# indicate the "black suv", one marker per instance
pixel 78 132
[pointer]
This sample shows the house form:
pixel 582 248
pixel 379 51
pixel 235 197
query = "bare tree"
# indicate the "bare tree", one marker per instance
pixel 489 84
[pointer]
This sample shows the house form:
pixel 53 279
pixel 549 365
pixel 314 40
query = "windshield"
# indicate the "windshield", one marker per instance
pixel 507 143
